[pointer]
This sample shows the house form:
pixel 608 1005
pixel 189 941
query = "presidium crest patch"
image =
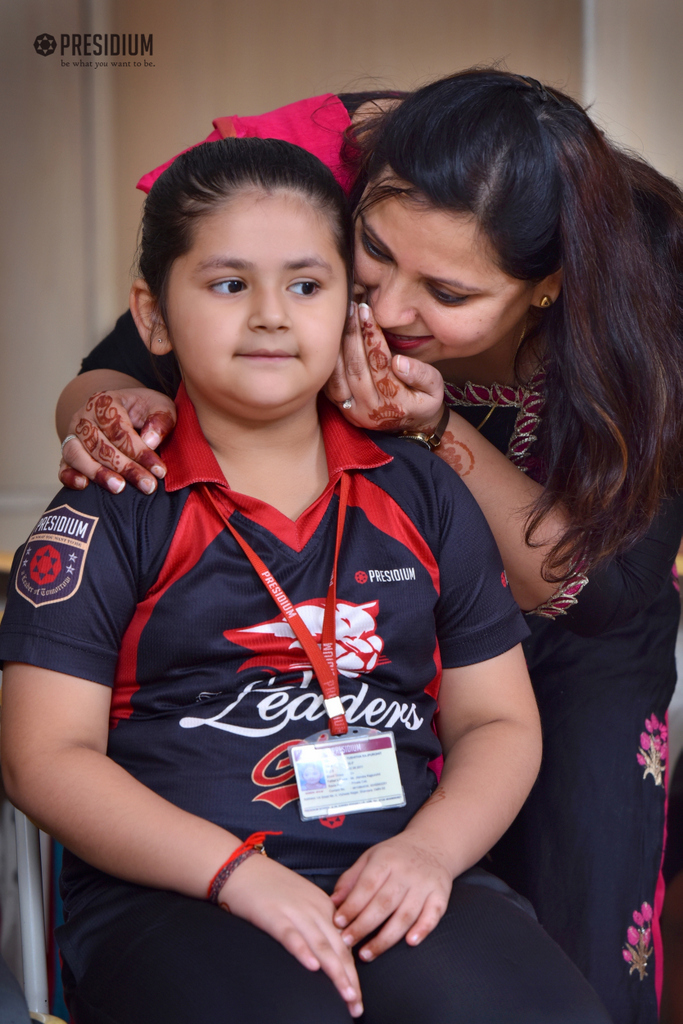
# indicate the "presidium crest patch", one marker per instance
pixel 51 566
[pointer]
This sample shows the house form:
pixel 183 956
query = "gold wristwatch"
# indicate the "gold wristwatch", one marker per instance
pixel 429 441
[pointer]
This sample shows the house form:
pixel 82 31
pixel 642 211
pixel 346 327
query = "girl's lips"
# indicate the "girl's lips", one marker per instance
pixel 264 353
pixel 403 343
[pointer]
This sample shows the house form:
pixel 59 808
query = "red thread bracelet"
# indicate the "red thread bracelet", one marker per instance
pixel 253 844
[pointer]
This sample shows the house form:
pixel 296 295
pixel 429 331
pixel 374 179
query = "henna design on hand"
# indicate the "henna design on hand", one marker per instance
pixel 377 359
pixel 110 422
pixel 458 456
pixel 388 415
pixel 89 435
pixel 387 387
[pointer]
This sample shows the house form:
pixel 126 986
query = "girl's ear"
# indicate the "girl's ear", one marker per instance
pixel 547 291
pixel 145 312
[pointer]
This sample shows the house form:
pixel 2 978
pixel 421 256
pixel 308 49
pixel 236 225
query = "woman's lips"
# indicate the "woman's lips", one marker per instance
pixel 404 343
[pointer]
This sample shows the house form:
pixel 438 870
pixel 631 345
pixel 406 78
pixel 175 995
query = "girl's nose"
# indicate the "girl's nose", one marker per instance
pixel 269 312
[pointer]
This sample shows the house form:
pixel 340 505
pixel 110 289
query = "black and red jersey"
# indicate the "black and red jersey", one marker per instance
pixel 153 597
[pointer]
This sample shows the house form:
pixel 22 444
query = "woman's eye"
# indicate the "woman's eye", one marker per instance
pixel 231 287
pixel 305 287
pixel 372 250
pixel 447 298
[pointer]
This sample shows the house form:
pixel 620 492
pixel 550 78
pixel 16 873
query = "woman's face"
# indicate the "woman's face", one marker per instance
pixel 436 290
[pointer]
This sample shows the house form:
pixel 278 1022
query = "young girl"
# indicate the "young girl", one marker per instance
pixel 163 670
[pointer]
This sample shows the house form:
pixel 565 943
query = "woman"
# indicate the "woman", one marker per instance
pixel 529 258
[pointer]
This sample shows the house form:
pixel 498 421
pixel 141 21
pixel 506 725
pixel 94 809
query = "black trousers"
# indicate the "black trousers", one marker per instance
pixel 166 959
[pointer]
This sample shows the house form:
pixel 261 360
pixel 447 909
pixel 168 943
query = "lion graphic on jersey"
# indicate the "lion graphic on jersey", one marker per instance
pixel 358 644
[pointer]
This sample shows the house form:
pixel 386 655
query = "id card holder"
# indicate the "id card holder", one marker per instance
pixel 347 774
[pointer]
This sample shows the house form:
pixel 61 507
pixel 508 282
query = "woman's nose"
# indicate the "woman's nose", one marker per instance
pixel 391 303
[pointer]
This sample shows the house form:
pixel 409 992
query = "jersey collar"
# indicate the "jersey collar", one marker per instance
pixel 189 458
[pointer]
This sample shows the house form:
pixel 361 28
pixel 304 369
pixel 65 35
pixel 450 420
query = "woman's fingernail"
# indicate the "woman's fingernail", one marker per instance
pixel 147 485
pixel 357 1010
pixel 349 994
pixel 114 485
pixel 347 940
pixel 401 364
pixel 80 481
pixel 366 954
pixel 151 439
pixel 364 311
pixel 159 472
pixel 340 921
pixel 352 308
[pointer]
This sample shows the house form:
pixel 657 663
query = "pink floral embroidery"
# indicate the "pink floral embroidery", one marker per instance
pixel 638 950
pixel 653 749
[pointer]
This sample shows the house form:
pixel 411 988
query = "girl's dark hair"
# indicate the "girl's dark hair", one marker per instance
pixel 550 192
pixel 204 178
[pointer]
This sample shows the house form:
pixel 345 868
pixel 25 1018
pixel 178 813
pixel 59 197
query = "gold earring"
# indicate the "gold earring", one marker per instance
pixel 545 302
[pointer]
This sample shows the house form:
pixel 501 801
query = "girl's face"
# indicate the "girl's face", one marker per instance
pixel 435 288
pixel 257 307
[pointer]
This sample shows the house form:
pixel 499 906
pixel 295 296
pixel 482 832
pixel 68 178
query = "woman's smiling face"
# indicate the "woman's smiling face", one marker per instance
pixel 435 287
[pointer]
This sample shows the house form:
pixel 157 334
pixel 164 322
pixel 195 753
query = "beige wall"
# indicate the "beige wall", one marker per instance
pixel 76 140
pixel 212 60
pixel 632 77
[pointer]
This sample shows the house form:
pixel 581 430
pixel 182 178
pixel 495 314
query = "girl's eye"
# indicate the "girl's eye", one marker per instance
pixel 372 250
pixel 231 287
pixel 305 287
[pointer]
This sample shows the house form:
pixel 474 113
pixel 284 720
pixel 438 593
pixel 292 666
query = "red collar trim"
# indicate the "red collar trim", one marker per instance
pixel 189 458
pixel 190 461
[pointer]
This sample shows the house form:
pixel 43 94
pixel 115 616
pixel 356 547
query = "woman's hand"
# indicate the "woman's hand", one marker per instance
pixel 400 883
pixel 387 393
pixel 107 447
pixel 298 914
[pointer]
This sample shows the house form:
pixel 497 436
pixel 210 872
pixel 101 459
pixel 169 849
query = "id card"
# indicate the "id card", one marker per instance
pixel 347 774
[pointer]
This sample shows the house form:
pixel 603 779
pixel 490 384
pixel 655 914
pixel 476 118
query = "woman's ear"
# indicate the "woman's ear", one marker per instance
pixel 151 327
pixel 546 292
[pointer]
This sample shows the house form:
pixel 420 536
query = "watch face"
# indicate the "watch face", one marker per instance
pixel 420 439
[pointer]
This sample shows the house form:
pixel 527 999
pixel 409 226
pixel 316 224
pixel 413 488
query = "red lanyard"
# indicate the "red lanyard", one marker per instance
pixel 324 663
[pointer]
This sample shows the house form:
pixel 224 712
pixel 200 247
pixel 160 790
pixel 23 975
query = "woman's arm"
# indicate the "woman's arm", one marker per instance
pixel 396 393
pixel 55 768
pixel 490 732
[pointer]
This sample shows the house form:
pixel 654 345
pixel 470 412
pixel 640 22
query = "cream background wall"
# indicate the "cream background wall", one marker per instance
pixel 75 141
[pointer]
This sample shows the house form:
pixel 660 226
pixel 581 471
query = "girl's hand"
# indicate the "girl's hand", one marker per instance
pixel 107 448
pixel 388 392
pixel 299 915
pixel 400 883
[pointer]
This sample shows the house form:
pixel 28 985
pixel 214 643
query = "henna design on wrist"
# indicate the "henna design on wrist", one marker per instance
pixel 458 456
pixel 437 796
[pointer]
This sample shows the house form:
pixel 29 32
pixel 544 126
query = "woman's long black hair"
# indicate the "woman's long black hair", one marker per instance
pixel 550 192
